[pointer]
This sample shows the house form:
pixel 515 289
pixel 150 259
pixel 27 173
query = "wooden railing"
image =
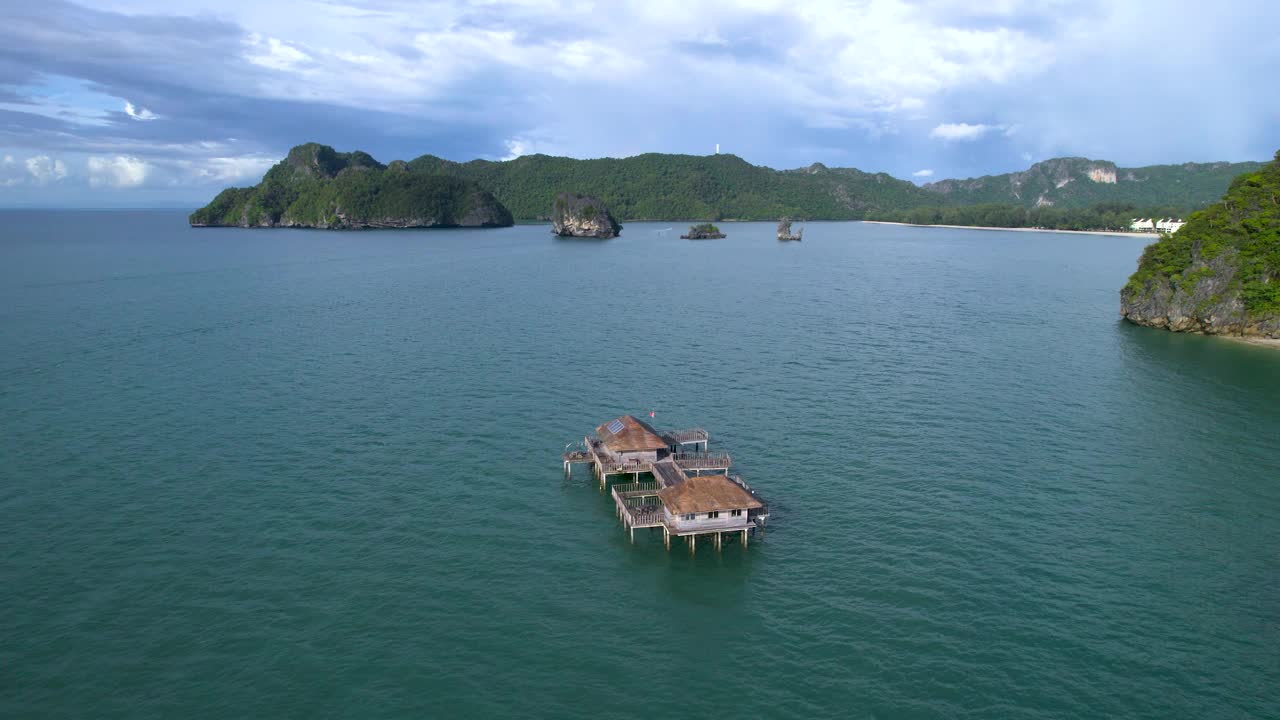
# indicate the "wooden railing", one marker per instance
pixel 625 467
pixel 696 461
pixel 724 523
pixel 644 514
pixel 623 489
pixel 763 510
pixel 690 435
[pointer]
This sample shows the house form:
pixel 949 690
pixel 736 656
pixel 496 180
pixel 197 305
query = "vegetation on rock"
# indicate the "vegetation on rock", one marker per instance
pixel 315 186
pixel 723 187
pixel 577 215
pixel 1221 271
pixel 1081 183
pixel 704 231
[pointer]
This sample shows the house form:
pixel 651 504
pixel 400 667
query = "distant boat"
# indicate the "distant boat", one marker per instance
pixel 784 231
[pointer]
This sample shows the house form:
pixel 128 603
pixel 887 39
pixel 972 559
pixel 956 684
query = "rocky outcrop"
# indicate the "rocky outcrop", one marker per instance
pixel 576 215
pixel 317 187
pixel 1105 174
pixel 1219 274
pixel 784 230
pixel 1205 299
pixel 705 231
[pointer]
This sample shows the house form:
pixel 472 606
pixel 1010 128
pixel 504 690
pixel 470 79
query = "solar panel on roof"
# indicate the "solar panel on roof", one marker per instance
pixel 615 427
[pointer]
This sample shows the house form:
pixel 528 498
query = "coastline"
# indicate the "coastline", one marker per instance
pixel 1153 236
pixel 1252 340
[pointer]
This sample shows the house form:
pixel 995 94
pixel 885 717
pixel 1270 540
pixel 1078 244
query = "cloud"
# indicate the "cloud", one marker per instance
pixel 922 173
pixel 36 170
pixel 961 132
pixel 44 169
pixel 515 148
pixel 248 168
pixel 138 113
pixel 212 99
pixel 11 172
pixel 270 52
pixel 118 172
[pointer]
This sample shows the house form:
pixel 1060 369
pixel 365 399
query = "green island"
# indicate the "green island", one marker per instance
pixel 317 187
pixel 1219 274
pixel 703 231
pixel 725 187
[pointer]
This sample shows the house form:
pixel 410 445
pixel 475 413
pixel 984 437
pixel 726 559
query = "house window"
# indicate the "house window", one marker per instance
pixel 713 515
pixel 687 517
pixel 735 513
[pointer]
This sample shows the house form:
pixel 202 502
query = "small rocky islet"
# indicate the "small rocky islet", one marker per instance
pixel 705 231
pixel 583 216
pixel 1219 274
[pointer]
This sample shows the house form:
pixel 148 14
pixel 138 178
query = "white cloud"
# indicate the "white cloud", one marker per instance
pixel 270 52
pixel 138 113
pixel 44 169
pixel 427 77
pixel 962 132
pixel 226 169
pixel 11 172
pixel 120 171
pixel 36 170
pixel 515 148
pixel 922 173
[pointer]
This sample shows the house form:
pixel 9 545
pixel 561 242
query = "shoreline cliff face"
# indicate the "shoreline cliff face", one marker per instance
pixel 577 215
pixel 1220 274
pixel 317 187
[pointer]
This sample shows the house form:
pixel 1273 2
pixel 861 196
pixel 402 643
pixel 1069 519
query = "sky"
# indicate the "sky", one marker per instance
pixel 108 103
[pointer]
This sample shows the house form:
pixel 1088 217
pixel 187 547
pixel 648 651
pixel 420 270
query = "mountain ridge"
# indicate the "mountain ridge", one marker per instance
pixel 660 186
pixel 317 187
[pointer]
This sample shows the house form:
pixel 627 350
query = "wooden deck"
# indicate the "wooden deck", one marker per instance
pixel 702 461
pixel 639 505
pixel 688 436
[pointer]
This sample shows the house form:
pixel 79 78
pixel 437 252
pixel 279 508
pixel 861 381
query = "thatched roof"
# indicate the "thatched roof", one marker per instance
pixel 706 493
pixel 633 436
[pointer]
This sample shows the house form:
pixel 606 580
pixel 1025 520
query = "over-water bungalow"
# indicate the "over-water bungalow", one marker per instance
pixel 692 492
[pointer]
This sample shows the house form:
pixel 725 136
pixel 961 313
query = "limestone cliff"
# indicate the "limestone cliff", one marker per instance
pixel 575 215
pixel 317 187
pixel 1219 274
pixel 1080 182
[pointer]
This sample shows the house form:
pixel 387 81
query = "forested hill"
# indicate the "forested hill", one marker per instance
pixel 692 187
pixel 1221 272
pixel 1078 183
pixel 672 187
pixel 678 187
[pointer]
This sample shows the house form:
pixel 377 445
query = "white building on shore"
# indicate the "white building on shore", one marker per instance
pixel 1151 225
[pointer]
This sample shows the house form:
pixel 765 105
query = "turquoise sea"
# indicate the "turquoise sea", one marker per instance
pixel 308 474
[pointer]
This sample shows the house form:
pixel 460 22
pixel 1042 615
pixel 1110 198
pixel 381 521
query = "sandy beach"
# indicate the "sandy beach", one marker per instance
pixel 1251 340
pixel 1153 236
